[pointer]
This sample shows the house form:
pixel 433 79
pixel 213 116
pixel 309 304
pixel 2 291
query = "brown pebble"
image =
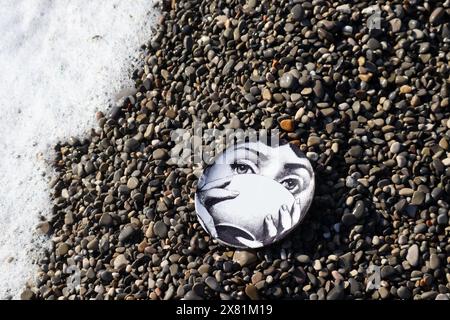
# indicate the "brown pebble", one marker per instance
pixel 287 125
pixel 405 89
pixel 443 143
pixel 266 94
pixel 251 292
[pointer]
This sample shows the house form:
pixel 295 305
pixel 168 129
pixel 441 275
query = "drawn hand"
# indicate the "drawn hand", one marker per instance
pixel 215 191
pixel 286 220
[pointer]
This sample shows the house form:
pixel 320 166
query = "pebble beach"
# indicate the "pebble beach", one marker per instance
pixel 362 87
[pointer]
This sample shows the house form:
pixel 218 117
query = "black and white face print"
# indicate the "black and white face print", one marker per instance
pixel 254 194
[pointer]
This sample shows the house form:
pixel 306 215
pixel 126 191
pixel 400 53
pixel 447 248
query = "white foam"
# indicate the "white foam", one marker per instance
pixel 60 61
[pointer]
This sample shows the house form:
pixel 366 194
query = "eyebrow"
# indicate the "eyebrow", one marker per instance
pixel 256 152
pixel 294 166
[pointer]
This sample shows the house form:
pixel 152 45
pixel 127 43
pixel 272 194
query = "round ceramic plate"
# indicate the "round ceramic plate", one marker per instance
pixel 254 194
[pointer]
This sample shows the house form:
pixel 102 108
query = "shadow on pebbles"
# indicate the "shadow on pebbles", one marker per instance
pixel 362 89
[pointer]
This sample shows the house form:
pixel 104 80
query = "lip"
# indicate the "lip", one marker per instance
pixel 227 233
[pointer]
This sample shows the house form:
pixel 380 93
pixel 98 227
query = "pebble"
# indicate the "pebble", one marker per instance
pixel 337 293
pixel 437 15
pixel 407 192
pixel 418 198
pixel 435 262
pixel 442 219
pixel 251 292
pixel 268 123
pixel 297 12
pixel 442 296
pixel 106 220
pixel 395 147
pixel 212 283
pixel 160 154
pixel 303 259
pixel 287 81
pixel 132 183
pixel 358 211
pixel 190 295
pixel 313 141
pixel 244 257
pixel 413 255
pixel 403 293
pixel 396 25
pixel 27 294
pixel 120 262
pixel 92 245
pixel 127 233
pixel 287 125
pixel 44 227
pixel 62 249
pixel 160 229
pixel 235 123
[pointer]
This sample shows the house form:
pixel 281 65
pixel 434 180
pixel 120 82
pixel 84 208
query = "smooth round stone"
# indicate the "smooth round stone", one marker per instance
pixel 395 147
pixel 396 25
pixel 289 27
pixel 387 271
pixel 190 295
pixel 106 276
pixel 235 123
pixel 252 292
pixel 131 144
pixel 420 228
pixel 430 295
pixel 204 269
pixel 401 161
pixel 62 249
pixel 407 192
pixel 287 80
pixel 435 262
pixel 402 240
pixel 132 183
pixel 355 151
pixel 337 293
pixel 120 262
pixel 418 198
pixel 358 211
pixel 287 125
pixel 244 258
pixel 313 141
pixel 160 229
pixel 160 154
pixel 268 123
pixel 383 292
pixel 413 255
pixel 127 233
pixel 92 245
pixel 373 44
pixel 436 15
pixel 403 293
pixel 303 259
pixel 297 12
pixel 212 283
pixel 442 219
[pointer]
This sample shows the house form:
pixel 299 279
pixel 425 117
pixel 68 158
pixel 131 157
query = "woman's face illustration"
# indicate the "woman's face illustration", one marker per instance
pixel 254 194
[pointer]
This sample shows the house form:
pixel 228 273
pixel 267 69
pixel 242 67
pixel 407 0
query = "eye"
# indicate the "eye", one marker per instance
pixel 293 185
pixel 290 184
pixel 241 168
